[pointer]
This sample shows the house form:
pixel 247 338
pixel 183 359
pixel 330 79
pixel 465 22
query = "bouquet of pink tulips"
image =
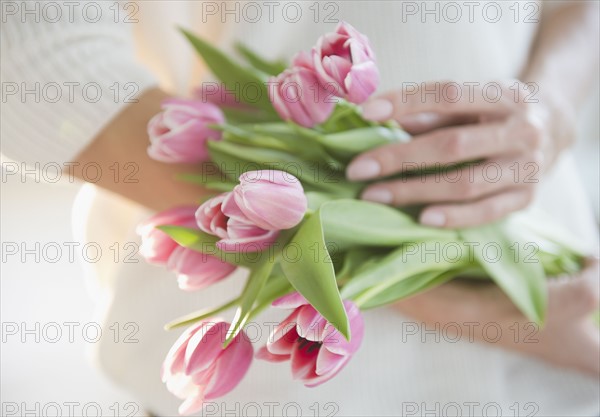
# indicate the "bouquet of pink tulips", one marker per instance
pixel 275 141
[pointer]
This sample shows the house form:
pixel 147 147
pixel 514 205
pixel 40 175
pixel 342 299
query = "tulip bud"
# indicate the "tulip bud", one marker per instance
pixel 195 270
pixel 272 200
pixel 180 132
pixel 344 60
pixel 220 216
pixel 156 245
pixel 316 350
pixel 297 95
pixel 197 368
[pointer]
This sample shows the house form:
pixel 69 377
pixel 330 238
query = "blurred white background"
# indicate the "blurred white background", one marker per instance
pixel 46 292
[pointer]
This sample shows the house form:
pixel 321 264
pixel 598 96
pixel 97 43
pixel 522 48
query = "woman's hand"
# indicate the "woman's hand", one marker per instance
pixel 503 126
pixel 569 337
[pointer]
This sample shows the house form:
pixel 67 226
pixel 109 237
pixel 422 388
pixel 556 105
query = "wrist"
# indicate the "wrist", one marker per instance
pixel 557 118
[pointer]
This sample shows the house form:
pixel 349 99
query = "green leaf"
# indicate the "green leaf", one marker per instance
pixel 276 287
pixel 236 159
pixel 311 273
pixel 199 241
pixel 349 143
pixel 345 116
pixel 256 281
pixel 317 199
pixel 247 135
pixel 407 287
pixel 235 77
pixel 190 238
pixel 220 186
pixel 354 259
pixel 251 115
pixel 521 279
pixel 206 181
pixel 261 64
pixel 403 263
pixel 259 275
pixel 360 223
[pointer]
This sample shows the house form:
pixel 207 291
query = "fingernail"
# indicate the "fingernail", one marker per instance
pixel 378 109
pixel 427 118
pixel 433 218
pixel 363 169
pixel 378 195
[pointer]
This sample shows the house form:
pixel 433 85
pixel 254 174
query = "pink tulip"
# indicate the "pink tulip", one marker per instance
pixel 297 95
pixel 220 216
pixel 317 351
pixel 156 245
pixel 180 132
pixel 344 59
pixel 272 200
pixel 195 270
pixel 198 369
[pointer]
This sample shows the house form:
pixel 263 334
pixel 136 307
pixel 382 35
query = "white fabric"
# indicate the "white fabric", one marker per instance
pixel 62 82
pixel 393 372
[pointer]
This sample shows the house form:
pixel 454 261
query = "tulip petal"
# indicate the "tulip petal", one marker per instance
pixel 249 244
pixel 264 354
pixel 232 210
pixel 272 207
pixel 203 377
pixel 303 59
pixel 304 358
pixel 284 344
pixel 328 361
pixel 335 341
pixel 193 403
pixel 204 346
pixel 361 82
pixel 210 218
pixel 231 367
pixel 196 270
pixel 292 300
pixel 276 98
pixel 310 323
pixel 283 337
pixel 174 360
pixel 174 216
pixel 320 379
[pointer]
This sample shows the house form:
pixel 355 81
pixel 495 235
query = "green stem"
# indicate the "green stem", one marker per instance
pixel 199 315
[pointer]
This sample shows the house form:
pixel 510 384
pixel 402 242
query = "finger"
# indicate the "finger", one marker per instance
pixel 458 302
pixel 469 183
pixel 477 213
pixel 447 97
pixel 380 110
pixel 420 123
pixel 444 146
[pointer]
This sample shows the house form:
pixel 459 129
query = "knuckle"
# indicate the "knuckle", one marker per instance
pixel 533 135
pixel 468 189
pixel 461 216
pixel 387 158
pixel 456 143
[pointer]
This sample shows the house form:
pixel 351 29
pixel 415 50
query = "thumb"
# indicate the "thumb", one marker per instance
pixel 576 295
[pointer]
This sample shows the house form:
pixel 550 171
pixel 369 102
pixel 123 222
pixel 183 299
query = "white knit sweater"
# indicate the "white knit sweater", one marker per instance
pixel 394 373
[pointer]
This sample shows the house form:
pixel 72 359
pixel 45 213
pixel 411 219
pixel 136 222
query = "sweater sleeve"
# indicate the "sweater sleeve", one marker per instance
pixel 67 70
